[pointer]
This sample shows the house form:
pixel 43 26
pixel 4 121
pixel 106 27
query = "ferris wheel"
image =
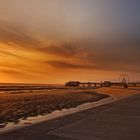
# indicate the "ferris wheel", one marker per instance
pixel 124 78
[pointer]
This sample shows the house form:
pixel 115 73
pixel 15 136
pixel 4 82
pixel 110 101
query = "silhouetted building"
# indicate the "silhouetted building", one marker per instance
pixel 107 84
pixel 72 84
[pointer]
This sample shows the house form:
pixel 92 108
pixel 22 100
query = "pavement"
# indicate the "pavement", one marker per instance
pixel 119 120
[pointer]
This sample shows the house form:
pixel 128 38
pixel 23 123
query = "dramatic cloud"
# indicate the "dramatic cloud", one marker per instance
pixel 13 72
pixel 66 65
pixel 43 41
pixel 64 50
pixel 17 35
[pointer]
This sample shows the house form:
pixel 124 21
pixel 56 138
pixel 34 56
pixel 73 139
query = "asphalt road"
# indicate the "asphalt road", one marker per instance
pixel 115 121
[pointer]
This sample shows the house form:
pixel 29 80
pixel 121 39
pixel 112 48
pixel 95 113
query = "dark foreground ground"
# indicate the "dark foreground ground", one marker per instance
pixel 115 121
pixel 18 104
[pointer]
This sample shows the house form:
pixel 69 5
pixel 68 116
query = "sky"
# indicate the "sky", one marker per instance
pixel 54 41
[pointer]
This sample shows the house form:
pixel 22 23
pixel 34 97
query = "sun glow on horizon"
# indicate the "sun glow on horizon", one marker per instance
pixel 54 41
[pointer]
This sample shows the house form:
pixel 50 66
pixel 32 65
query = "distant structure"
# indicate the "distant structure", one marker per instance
pixel 82 84
pixel 107 83
pixel 72 84
pixel 124 79
pixel 123 82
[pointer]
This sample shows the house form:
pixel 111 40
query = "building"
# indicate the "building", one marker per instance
pixel 107 84
pixel 72 84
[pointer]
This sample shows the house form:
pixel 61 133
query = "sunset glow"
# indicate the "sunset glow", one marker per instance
pixel 53 41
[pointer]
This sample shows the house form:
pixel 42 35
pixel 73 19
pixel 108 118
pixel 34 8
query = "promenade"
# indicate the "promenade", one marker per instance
pixel 119 120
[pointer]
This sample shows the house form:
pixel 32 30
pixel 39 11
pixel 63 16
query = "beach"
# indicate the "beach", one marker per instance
pixel 15 105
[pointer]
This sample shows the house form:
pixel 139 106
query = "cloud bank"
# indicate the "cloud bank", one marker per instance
pixel 60 39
